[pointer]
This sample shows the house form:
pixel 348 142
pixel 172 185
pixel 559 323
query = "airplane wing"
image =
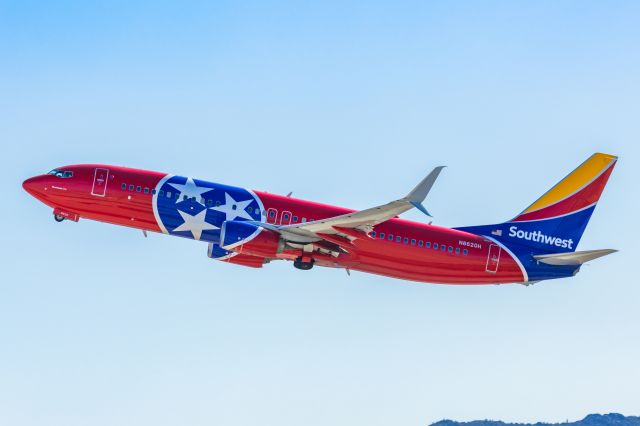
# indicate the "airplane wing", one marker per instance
pixel 360 221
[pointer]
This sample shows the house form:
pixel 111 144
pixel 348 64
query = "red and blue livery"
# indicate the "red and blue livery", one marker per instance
pixel 253 228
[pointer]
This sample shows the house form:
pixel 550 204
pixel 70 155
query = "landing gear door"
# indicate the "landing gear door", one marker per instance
pixel 100 178
pixel 493 258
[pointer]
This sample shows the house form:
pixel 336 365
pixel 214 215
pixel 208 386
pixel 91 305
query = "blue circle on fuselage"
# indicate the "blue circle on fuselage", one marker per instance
pixel 196 209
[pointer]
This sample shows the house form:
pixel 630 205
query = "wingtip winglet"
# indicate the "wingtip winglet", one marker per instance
pixel 421 190
pixel 419 193
pixel 421 208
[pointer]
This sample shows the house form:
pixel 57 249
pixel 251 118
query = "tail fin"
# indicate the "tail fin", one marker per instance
pixel 581 189
pixel 555 222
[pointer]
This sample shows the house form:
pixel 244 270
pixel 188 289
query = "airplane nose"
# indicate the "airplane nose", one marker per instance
pixel 33 185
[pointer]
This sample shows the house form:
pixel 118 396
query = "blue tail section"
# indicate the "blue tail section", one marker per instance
pixel 555 235
pixel 524 240
pixel 555 222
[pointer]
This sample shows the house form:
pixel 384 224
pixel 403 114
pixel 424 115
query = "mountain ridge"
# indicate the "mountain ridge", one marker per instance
pixel 611 419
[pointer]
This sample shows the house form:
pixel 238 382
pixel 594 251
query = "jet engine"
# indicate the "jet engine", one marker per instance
pixel 217 253
pixel 248 238
pixel 247 260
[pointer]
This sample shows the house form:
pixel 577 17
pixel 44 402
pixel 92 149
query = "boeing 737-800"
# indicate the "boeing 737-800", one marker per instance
pixel 253 228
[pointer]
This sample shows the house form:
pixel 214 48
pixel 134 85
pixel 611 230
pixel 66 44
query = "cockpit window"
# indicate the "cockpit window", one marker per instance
pixel 61 173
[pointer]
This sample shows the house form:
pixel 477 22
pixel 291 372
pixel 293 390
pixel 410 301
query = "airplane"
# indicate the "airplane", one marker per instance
pixel 252 228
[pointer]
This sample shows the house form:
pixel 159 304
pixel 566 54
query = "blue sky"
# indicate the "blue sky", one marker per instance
pixel 343 102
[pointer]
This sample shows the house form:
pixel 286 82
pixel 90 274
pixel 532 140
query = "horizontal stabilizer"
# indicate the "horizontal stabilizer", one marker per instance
pixel 572 258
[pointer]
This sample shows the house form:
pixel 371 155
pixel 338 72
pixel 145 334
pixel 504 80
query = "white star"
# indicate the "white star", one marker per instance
pixel 234 209
pixel 191 190
pixel 196 224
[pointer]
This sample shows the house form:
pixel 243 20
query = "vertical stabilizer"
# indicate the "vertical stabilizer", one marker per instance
pixel 555 222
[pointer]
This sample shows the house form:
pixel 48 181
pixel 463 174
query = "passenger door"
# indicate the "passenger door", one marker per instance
pixel 493 258
pixel 100 179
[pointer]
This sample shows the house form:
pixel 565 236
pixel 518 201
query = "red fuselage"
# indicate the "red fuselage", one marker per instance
pixel 396 248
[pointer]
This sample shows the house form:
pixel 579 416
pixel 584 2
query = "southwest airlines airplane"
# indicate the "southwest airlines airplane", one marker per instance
pixel 252 228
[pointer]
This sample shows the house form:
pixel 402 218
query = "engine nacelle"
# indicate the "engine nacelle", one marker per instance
pixel 218 253
pixel 247 238
pixel 247 260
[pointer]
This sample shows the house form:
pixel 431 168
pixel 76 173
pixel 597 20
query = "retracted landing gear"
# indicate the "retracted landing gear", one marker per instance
pixel 61 215
pixel 304 263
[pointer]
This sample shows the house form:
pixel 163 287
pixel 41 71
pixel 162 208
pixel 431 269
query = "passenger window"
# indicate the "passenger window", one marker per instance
pixel 272 214
pixel 457 250
pixel 427 244
pixel 413 241
pixel 210 202
pixel 373 234
pixel 130 187
pixel 218 204
pixel 399 239
pixel 435 246
pixel 286 216
pixel 406 240
pixel 295 218
pixel 124 186
pixel 146 190
pixel 176 195
pixel 153 191
pixel 304 220
pixel 184 198
pixel 465 252
pixel 390 237
pixel 161 193
pixel 420 243
pixel 382 235
pixel 443 247
pixel 138 188
pixel 169 194
pixel 450 249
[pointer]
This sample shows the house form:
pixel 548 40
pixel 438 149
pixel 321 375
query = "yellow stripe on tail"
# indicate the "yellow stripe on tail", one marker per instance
pixel 575 181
